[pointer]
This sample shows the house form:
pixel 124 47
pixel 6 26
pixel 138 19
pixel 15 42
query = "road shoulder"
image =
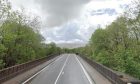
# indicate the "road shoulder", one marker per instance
pixel 94 74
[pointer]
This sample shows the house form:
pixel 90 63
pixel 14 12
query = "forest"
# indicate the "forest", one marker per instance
pixel 117 46
pixel 20 39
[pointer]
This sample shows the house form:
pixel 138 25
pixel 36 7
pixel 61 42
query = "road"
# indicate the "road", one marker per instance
pixel 67 69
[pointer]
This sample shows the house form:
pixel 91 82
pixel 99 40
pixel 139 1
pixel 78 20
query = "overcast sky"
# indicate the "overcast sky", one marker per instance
pixel 71 21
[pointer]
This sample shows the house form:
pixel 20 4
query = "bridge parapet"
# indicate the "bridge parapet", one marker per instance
pixel 113 76
pixel 10 72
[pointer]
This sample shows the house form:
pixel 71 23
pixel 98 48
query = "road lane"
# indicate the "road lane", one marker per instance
pixel 66 70
pixel 49 75
pixel 61 71
pixel 29 79
pixel 73 73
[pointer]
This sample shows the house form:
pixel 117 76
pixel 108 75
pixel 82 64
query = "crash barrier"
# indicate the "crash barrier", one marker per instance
pixel 113 76
pixel 10 72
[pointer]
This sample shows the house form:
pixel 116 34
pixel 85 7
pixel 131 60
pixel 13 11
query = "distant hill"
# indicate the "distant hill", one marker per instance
pixel 70 45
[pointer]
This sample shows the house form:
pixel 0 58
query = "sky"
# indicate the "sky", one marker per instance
pixel 71 21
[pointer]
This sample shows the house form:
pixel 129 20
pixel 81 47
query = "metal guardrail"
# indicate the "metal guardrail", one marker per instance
pixel 10 72
pixel 110 74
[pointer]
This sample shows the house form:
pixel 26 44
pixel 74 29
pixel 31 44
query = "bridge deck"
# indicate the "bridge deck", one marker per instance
pixel 64 69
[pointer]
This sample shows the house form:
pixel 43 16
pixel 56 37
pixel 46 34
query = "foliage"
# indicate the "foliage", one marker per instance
pixel 20 40
pixel 118 45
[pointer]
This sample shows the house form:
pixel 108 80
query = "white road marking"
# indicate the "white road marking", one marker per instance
pixel 38 72
pixel 85 72
pixel 61 71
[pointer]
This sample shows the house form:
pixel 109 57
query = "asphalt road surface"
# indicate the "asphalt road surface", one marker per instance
pixel 67 69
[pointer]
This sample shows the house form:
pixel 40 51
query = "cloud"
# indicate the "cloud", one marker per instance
pixel 59 12
pixel 108 11
pixel 81 29
pixel 103 12
pixel 74 21
pixel 67 33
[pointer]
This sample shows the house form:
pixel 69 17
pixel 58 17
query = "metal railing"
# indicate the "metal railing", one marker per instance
pixel 10 72
pixel 111 75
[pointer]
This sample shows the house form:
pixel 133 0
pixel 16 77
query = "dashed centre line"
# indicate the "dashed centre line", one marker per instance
pixel 61 71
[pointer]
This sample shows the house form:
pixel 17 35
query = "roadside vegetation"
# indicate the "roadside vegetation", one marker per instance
pixel 20 40
pixel 118 45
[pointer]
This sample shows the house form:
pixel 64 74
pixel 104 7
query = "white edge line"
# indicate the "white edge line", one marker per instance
pixel 61 70
pixel 37 73
pixel 85 72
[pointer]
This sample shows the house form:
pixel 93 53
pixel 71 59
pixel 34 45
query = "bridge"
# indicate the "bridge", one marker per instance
pixel 63 69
